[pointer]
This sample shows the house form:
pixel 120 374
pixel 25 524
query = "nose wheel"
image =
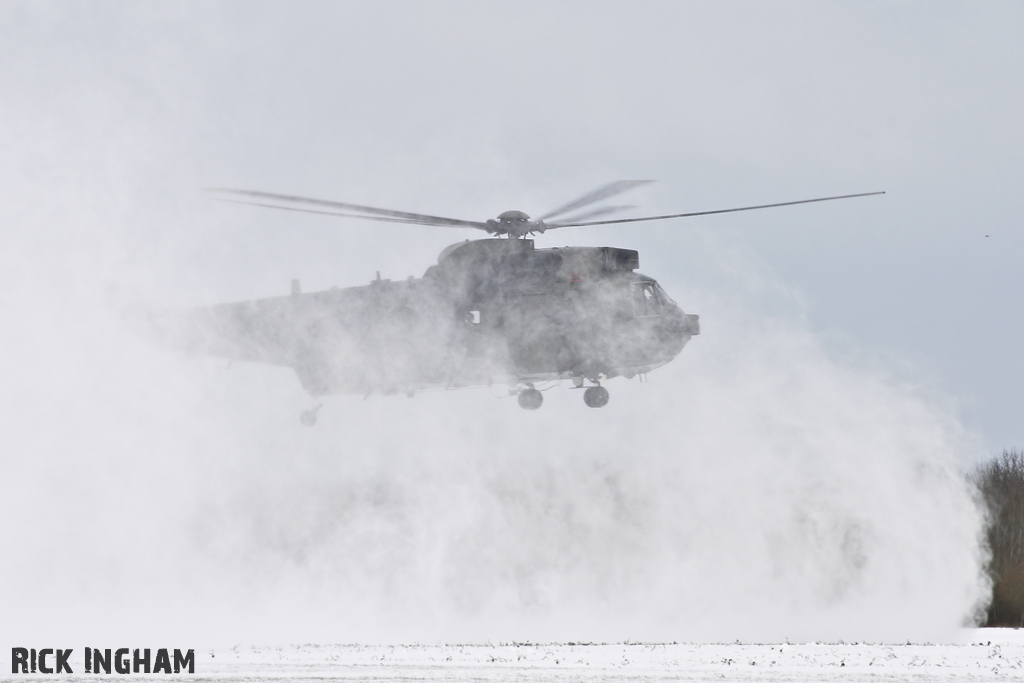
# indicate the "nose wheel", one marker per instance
pixel 530 399
pixel 595 397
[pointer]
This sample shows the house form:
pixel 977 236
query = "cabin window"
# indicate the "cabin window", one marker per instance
pixel 645 299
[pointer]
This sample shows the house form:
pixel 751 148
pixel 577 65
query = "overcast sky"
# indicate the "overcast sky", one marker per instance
pixel 114 116
pixel 468 109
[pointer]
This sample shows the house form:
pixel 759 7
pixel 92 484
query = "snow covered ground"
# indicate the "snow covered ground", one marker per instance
pixel 980 654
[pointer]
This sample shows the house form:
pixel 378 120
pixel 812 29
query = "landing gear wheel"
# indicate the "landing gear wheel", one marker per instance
pixel 595 397
pixel 530 399
pixel 308 417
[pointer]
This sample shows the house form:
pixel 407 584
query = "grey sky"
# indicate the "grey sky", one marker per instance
pixel 469 109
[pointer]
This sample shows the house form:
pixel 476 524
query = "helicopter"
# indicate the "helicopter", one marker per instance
pixel 491 312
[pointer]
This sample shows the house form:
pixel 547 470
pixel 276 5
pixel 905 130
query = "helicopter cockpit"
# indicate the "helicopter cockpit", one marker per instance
pixel 646 299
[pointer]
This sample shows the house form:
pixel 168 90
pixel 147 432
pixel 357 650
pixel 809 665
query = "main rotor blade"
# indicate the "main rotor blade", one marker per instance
pixel 707 213
pixel 401 216
pixel 365 217
pixel 593 213
pixel 603 192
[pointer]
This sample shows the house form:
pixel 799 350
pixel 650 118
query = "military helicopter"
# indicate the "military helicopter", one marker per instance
pixel 491 312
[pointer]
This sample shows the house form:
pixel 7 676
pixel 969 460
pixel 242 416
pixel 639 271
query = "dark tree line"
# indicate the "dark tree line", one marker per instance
pixel 1001 483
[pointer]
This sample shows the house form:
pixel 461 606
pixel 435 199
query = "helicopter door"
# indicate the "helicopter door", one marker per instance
pixel 645 300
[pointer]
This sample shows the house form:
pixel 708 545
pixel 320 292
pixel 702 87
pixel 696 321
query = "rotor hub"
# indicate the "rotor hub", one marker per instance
pixel 514 224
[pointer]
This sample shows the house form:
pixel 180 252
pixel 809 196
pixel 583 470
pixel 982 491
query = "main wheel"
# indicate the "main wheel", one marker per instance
pixel 530 399
pixel 595 397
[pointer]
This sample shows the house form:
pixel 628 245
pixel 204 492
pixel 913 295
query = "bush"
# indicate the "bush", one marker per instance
pixel 1001 483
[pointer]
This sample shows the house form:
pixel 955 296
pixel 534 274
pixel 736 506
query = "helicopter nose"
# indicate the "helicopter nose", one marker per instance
pixel 676 323
pixel 677 329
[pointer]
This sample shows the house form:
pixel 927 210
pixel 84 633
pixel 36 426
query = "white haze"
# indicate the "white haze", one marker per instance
pixel 758 487
pixel 754 488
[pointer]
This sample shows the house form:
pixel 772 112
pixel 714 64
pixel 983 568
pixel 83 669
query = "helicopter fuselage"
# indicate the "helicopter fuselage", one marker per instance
pixel 491 312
